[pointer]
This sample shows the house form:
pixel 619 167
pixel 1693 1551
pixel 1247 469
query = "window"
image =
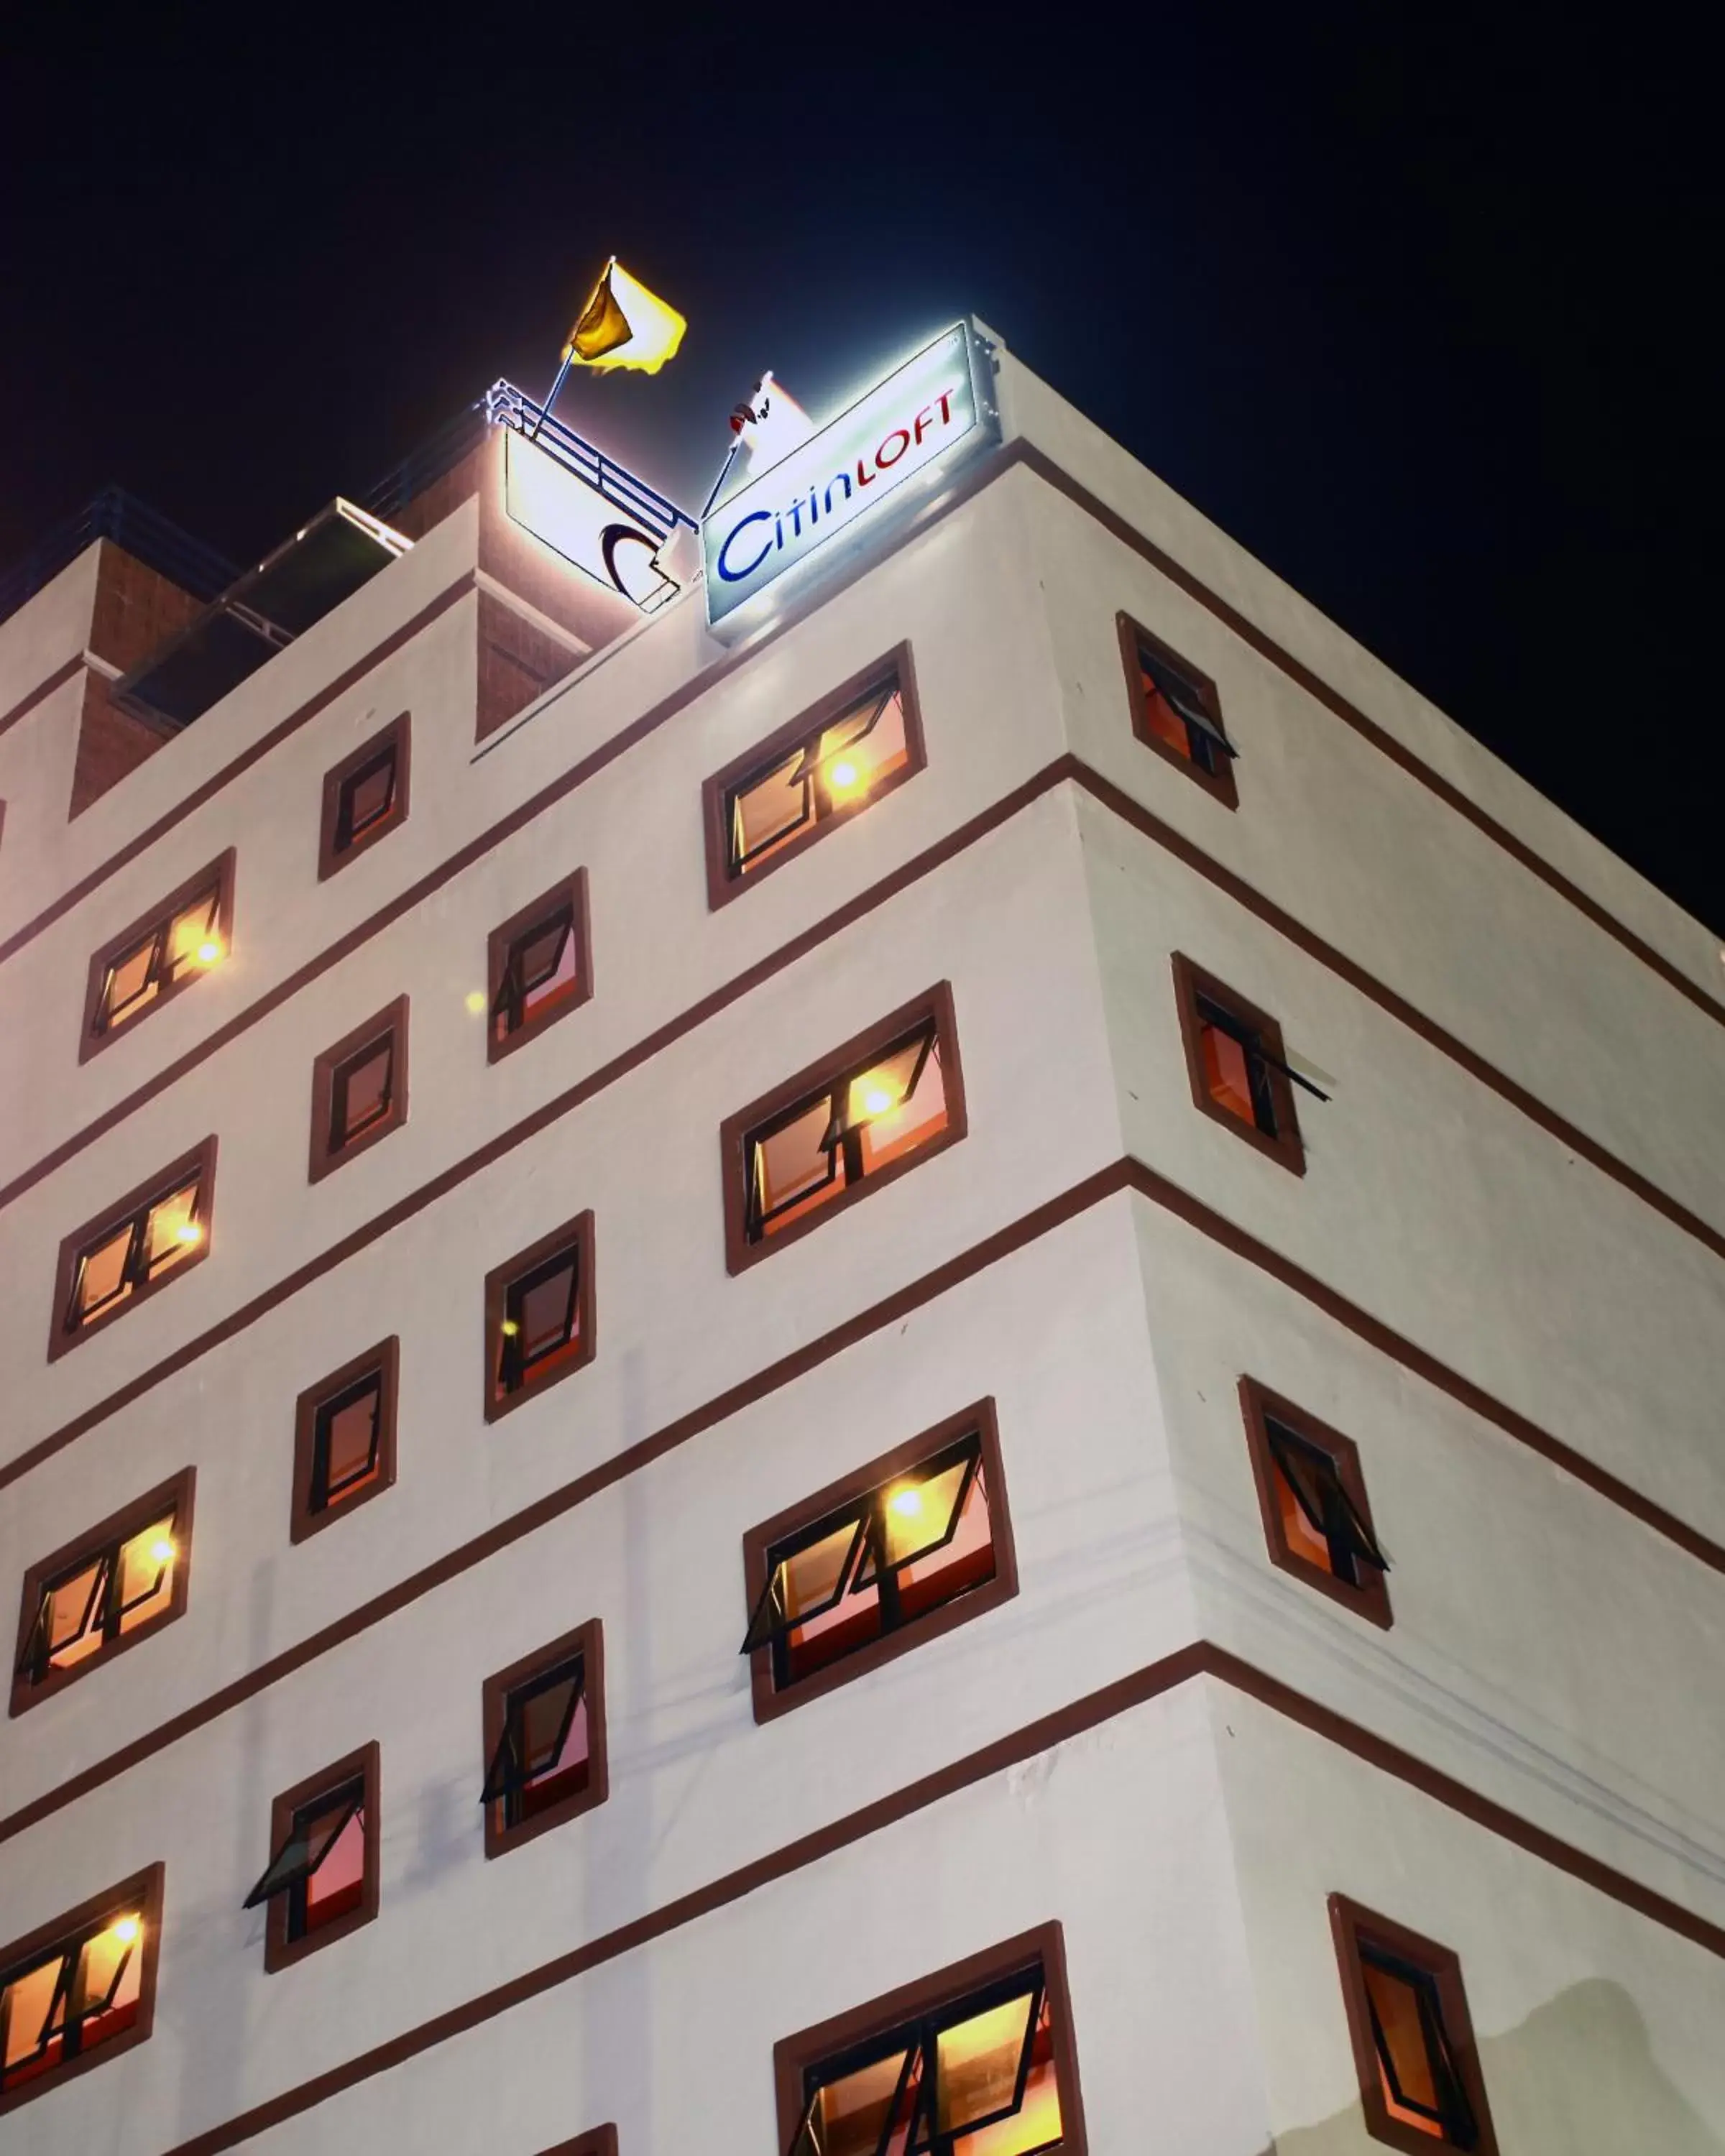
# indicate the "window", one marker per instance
pixel 321 1880
pixel 1316 1518
pixel 1413 2039
pixel 1239 1071
pixel 359 1089
pixel 885 1100
pixel 538 966
pixel 160 1231
pixel 81 1990
pixel 601 2141
pixel 344 1439
pixel 977 2061
pixel 913 1543
pixel 544 1724
pixel 828 764
pixel 103 1591
pixel 1177 712
pixel 175 943
pixel 539 1315
pixel 364 797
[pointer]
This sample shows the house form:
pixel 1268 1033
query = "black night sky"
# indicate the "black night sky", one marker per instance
pixel 1415 303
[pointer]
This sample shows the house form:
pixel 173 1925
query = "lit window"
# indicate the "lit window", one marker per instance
pixel 544 1735
pixel 364 795
pixel 538 1316
pixel 344 1444
pixel 1176 712
pixel 1239 1068
pixel 1412 2036
pixel 914 1543
pixel 538 967
pixel 359 1089
pixel 833 1131
pixel 70 1993
pixel 989 2072
pixel 321 1880
pixel 838 765
pixel 185 937
pixel 159 1231
pixel 1311 1492
pixel 120 1579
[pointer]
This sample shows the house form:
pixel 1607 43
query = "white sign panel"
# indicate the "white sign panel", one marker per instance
pixel 933 410
pixel 607 524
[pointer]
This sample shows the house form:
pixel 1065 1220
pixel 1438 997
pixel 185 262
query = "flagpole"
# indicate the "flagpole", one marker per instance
pixel 724 474
pixel 545 408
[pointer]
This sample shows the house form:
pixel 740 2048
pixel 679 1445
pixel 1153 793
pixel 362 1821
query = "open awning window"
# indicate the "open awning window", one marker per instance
pixel 314 1835
pixel 324 563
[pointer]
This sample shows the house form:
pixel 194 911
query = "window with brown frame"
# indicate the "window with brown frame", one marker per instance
pixel 1414 2047
pixel 175 943
pixel 884 1101
pixel 543 1720
pixel 103 1591
pixel 152 1236
pixel 976 2060
pixel 1177 712
pixel 539 966
pixel 364 796
pixel 827 765
pixel 344 1439
pixel 359 1090
pixel 1238 1065
pixel 539 1315
pixel 81 1990
pixel 1317 1519
pixel 914 1543
pixel 321 1882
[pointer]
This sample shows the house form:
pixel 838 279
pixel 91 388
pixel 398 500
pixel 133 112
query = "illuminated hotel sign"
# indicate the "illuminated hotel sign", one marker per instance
pixel 934 412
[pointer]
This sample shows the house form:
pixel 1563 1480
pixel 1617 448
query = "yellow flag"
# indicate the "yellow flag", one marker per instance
pixel 625 325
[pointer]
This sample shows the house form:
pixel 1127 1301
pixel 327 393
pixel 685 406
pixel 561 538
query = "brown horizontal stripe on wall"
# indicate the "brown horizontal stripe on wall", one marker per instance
pixel 1333 701
pixel 26 703
pixel 247 757
pixel 1199 1659
pixel 1093 1190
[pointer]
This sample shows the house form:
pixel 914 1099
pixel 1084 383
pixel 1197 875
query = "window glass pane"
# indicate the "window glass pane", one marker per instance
pixel 977 2064
pixel 809 1579
pixel 895 1121
pixel 361 1091
pixel 549 1741
pixel 1164 720
pixel 790 1164
pixel 548 964
pixel 109 1972
pixel 1036 2124
pixel 1410 2092
pixel 347 1437
pixel 965 1562
pixel 368 794
pixel 129 986
pixel 851 2115
pixel 1227 1072
pixel 547 1308
pixel 171 1230
pixel 75 1616
pixel 191 939
pixel 101 1275
pixel 146 1573
pixel 918 1511
pixel 33 2014
pixel 767 811
pixel 337 1884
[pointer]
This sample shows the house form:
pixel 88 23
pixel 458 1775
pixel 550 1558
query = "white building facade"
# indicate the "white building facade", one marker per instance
pixel 1039 1136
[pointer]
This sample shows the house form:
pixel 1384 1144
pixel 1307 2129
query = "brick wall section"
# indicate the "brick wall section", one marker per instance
pixel 136 609
pixel 110 743
pixel 518 662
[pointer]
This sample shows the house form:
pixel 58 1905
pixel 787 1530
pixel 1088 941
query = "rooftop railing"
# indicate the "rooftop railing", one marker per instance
pixel 144 532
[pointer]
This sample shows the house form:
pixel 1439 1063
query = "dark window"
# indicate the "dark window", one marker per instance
pixel 828 763
pixel 160 1230
pixel 81 1990
pixel 544 1731
pixel 539 1318
pixel 344 1439
pixel 1239 1068
pixel 174 945
pixel 916 1542
pixel 122 1578
pixel 539 966
pixel 321 1880
pixel 359 1089
pixel 977 2062
pixel 1176 712
pixel 1311 1492
pixel 867 1112
pixel 1412 2037
pixel 364 795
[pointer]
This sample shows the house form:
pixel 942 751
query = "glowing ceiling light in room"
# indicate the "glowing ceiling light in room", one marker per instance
pixel 162 1551
pixel 126 1930
pixel 208 952
pixel 909 1502
pixel 188 1231
pixel 843 776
